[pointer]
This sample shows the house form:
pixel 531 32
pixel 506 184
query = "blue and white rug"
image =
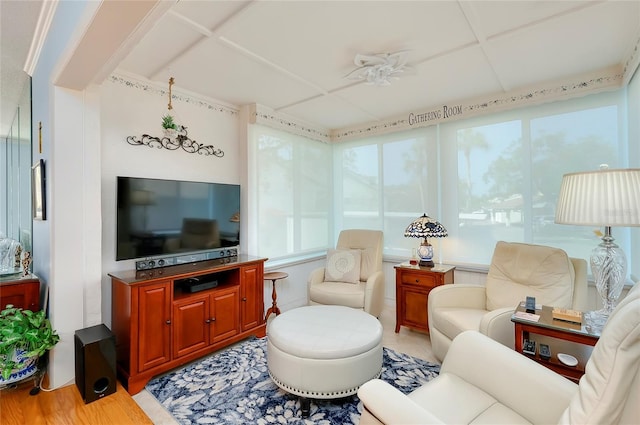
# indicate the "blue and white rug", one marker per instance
pixel 233 387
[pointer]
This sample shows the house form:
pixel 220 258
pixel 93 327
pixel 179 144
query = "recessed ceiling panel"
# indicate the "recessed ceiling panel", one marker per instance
pixel 589 40
pixel 209 14
pixel 495 17
pixel 222 73
pixel 167 40
pixel 319 39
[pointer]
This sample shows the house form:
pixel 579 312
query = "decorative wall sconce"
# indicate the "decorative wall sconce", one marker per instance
pixel 175 137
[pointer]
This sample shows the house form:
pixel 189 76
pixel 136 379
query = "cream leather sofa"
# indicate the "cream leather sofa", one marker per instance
pixel 517 270
pixel 366 292
pixel 484 382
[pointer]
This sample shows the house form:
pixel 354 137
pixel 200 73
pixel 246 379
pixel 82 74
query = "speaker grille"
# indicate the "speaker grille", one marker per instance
pixel 95 351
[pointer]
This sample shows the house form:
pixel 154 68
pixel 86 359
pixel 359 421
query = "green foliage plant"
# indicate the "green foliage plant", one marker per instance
pixel 26 331
pixel 168 123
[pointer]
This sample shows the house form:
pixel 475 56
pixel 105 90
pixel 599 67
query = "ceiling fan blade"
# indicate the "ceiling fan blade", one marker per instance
pixel 368 60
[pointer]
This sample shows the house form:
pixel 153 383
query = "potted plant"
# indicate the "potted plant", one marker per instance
pixel 167 123
pixel 24 337
pixel 169 126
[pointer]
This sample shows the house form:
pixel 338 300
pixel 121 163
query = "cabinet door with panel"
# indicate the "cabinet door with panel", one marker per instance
pixel 251 296
pixel 154 324
pixel 224 321
pixel 190 325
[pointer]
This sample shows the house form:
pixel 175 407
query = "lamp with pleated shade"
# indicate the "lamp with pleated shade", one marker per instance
pixel 609 198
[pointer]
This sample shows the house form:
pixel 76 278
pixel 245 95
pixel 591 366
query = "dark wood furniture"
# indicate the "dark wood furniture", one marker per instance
pixel 160 324
pixel 413 284
pixel 22 292
pixel 557 331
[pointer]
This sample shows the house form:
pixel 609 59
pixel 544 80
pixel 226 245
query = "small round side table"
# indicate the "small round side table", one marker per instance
pixel 273 276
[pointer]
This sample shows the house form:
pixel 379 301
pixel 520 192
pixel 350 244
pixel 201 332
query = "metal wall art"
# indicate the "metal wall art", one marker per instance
pixel 178 139
pixel 175 137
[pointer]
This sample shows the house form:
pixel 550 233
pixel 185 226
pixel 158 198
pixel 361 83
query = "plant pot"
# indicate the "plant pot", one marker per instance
pixel 26 366
pixel 170 133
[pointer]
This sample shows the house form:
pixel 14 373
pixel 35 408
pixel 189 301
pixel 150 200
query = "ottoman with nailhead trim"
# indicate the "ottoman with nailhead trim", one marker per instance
pixel 323 351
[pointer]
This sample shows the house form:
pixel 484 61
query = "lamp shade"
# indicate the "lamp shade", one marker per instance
pixel 425 227
pixel 600 198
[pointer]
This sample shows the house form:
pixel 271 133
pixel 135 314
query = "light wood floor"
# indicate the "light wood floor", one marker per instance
pixel 65 406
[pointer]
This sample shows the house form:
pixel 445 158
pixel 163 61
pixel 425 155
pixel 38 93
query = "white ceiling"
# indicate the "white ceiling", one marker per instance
pixel 18 20
pixel 292 56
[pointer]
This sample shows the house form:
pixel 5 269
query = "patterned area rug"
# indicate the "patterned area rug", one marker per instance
pixel 233 387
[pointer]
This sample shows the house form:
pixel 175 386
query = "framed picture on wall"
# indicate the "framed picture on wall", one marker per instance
pixel 38 191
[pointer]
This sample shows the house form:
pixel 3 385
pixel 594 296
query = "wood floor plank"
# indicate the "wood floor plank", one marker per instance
pixel 65 406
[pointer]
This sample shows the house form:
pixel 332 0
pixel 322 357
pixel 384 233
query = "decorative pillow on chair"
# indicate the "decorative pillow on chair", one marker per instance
pixel 343 265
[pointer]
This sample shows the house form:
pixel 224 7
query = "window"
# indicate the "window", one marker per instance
pixel 385 183
pixel 486 179
pixel 293 193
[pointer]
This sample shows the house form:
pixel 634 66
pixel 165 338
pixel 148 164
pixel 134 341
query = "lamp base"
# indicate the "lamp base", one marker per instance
pixel 595 321
pixel 426 263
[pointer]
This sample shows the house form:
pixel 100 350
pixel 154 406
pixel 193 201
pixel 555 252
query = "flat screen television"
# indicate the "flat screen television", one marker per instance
pixel 170 217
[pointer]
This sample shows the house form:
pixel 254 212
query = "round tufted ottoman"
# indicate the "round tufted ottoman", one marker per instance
pixel 323 351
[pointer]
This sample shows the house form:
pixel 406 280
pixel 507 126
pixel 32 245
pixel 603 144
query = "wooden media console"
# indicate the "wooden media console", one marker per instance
pixel 159 324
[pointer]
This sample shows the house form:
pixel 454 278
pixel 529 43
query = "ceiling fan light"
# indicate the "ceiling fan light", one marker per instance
pixel 379 69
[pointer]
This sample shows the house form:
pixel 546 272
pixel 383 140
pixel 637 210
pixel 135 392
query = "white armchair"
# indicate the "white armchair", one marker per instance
pixel 517 270
pixel 362 288
pixel 482 381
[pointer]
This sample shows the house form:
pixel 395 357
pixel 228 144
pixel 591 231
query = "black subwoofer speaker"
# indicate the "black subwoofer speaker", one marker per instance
pixel 95 362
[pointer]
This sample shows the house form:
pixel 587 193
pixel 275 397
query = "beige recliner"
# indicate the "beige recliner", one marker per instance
pixel 517 270
pixel 484 382
pixel 365 286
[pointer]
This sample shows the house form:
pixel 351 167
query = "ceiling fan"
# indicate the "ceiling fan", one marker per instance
pixel 380 68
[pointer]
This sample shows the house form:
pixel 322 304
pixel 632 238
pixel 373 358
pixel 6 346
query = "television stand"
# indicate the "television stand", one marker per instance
pixel 159 324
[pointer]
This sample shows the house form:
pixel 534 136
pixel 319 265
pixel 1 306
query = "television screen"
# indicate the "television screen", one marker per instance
pixel 169 217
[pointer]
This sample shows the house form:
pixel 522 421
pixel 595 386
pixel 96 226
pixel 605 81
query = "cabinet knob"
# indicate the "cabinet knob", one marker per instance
pixel 244 298
pixel 213 319
pixel 207 321
pixel 168 322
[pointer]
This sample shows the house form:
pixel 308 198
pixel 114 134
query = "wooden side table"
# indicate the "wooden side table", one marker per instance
pixel 20 291
pixel 413 284
pixel 556 330
pixel 273 277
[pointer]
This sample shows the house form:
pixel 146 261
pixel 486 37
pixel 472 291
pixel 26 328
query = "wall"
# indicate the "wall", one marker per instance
pixel 132 107
pixel 66 252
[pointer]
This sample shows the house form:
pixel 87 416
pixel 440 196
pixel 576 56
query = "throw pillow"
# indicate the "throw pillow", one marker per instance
pixel 343 265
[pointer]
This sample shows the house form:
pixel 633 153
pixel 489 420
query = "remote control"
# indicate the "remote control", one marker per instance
pixel 529 347
pixel 530 304
pixel 545 352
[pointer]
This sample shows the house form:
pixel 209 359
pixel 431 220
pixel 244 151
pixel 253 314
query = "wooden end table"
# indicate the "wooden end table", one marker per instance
pixel 413 284
pixel 555 329
pixel 273 277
